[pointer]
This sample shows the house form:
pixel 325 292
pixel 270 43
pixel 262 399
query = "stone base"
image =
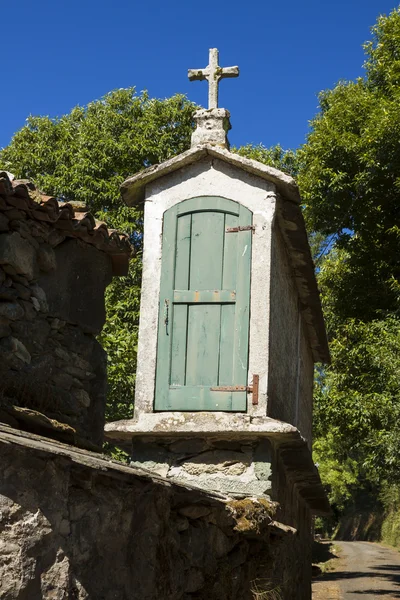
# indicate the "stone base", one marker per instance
pixel 200 424
pixel 212 126
pixel 231 453
pixel 239 468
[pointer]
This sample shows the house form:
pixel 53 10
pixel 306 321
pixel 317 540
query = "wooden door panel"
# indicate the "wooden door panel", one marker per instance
pixel 204 306
pixel 203 344
pixel 206 253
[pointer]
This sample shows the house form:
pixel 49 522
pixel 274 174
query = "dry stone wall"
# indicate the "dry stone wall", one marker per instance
pixel 86 528
pixel 47 364
pixel 55 263
pixel 237 467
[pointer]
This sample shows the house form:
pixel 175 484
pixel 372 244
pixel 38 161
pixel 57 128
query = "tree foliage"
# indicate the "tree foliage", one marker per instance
pixel 357 401
pixel 349 175
pixel 86 155
pixel 276 156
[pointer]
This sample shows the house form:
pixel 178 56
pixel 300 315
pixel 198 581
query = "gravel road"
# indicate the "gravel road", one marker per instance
pixel 365 571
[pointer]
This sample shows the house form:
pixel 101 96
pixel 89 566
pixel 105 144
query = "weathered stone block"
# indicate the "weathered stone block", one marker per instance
pixel 83 397
pixel 217 461
pixel 20 279
pixel 3 222
pixel 28 309
pixel 77 372
pixel 35 303
pixel 13 345
pixel 11 311
pixel 66 381
pixel 32 333
pixel 23 291
pixel 263 460
pixel 18 253
pixel 46 258
pixel 24 230
pixel 39 294
pixel 39 371
pixel 8 293
pixel 193 446
pixel 57 324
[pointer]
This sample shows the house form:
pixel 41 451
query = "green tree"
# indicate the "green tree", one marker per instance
pixel 350 176
pixel 86 155
pixel 357 400
pixel 276 156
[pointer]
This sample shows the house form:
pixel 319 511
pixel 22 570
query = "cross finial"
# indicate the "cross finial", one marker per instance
pixel 213 73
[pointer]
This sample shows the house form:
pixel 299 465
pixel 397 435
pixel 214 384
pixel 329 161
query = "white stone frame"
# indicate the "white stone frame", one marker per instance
pixel 207 177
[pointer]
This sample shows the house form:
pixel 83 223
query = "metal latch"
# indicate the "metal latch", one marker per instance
pixel 252 389
pixel 240 228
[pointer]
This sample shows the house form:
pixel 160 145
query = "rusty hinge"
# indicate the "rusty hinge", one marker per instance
pixel 256 381
pixel 240 228
pixel 252 389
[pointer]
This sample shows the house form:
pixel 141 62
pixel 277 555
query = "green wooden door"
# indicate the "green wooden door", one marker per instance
pixel 203 327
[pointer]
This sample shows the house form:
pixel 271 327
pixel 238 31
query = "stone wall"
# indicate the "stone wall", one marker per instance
pixel 55 263
pixel 292 509
pixel 240 468
pixel 86 528
pixel 237 467
pixel 306 388
pixel 290 368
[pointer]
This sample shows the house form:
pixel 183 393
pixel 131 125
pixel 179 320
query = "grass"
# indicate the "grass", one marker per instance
pixel 263 589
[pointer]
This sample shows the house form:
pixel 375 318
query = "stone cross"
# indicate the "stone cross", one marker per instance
pixel 213 73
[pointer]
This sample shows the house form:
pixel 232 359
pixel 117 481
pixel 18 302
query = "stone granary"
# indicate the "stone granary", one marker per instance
pixel 55 263
pixel 230 328
pixel 74 524
pixel 216 502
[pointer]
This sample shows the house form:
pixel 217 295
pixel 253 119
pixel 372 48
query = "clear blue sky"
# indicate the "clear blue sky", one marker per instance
pixel 57 54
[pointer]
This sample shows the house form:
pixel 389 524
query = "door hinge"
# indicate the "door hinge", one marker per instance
pixel 252 389
pixel 240 228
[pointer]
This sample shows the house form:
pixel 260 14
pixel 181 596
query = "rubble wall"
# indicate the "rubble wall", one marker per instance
pixel 49 362
pixel 52 284
pixel 86 528
pixel 293 511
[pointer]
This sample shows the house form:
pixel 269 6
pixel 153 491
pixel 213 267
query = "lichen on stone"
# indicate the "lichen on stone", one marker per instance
pixel 251 514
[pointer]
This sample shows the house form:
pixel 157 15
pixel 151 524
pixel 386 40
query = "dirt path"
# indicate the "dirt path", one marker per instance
pixel 365 570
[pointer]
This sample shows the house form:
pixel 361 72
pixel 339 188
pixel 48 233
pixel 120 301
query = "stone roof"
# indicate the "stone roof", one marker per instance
pixel 20 199
pixel 290 220
pixel 132 189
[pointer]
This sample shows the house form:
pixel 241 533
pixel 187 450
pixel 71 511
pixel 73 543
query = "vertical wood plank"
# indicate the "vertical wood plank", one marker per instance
pixel 182 261
pixel 180 312
pixel 206 250
pixel 225 375
pixel 203 344
pixel 204 321
pixel 242 312
pixel 166 296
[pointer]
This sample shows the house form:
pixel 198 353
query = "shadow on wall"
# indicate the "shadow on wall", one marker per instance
pixel 73 528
